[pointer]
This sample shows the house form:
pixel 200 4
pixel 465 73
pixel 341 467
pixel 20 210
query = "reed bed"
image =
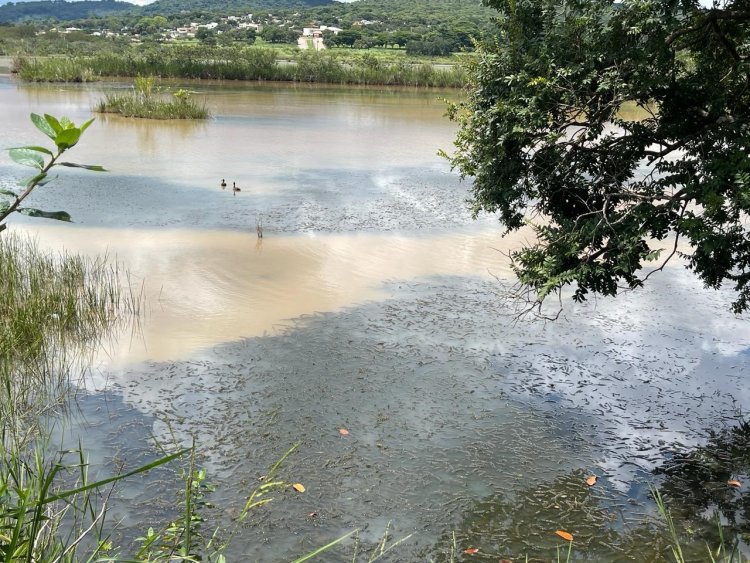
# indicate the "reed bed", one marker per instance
pixel 134 105
pixel 250 63
pixel 53 69
pixel 54 311
pixel 146 100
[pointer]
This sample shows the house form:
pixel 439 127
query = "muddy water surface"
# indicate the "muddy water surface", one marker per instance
pixel 370 304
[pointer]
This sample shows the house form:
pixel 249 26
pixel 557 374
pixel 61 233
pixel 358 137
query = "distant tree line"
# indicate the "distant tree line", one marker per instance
pixel 421 27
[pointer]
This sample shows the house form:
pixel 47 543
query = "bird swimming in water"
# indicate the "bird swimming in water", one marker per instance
pixel 223 183
pixel 235 188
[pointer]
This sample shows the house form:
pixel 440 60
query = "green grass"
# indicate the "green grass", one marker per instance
pixel 53 69
pixel 723 553
pixel 53 311
pixel 133 105
pixel 147 101
pixel 335 66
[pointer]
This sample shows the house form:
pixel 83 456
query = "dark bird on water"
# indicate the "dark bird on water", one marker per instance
pixel 223 183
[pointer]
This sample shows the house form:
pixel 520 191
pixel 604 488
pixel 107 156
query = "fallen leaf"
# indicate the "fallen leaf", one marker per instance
pixel 343 431
pixel 312 515
pixel 505 561
pixel 299 487
pixel 591 480
pixel 471 550
pixel 564 535
pixel 734 483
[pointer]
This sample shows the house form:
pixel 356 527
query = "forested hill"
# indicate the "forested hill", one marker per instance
pixel 386 14
pixel 67 11
pixel 61 10
pixel 412 12
pixel 226 6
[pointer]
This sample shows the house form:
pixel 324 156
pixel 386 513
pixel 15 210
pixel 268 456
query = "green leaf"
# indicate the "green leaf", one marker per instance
pixel 86 125
pixel 27 158
pixel 59 215
pixel 66 123
pixel 43 126
pixel 38 180
pixel 97 484
pixel 67 138
pixel 8 192
pixel 95 168
pixel 53 123
pixel 326 547
pixel 35 148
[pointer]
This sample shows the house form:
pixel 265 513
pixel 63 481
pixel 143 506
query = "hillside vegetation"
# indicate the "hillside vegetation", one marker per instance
pixel 62 11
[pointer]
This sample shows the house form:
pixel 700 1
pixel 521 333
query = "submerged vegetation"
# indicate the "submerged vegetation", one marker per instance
pixel 236 63
pixel 147 101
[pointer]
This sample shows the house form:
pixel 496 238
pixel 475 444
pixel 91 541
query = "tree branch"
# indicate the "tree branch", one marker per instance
pixel 711 17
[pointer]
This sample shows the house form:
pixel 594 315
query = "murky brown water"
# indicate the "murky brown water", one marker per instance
pixel 370 304
pixel 208 287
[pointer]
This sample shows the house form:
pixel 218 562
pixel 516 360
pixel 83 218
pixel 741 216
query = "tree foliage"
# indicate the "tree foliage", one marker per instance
pixel 545 138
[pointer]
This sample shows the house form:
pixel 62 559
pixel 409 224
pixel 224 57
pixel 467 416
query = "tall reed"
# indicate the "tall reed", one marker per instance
pixel 54 311
pixel 250 63
pixel 53 69
pixel 146 100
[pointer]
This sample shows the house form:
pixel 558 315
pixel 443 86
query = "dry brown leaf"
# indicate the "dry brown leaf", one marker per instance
pixel 471 550
pixel 299 487
pixel 734 483
pixel 591 480
pixel 343 431
pixel 564 535
pixel 312 515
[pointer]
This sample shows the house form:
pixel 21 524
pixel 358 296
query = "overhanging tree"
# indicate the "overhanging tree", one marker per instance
pixel 545 138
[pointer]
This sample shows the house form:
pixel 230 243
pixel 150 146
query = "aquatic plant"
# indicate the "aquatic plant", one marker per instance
pixel 147 101
pixel 722 553
pixel 251 63
pixel 53 69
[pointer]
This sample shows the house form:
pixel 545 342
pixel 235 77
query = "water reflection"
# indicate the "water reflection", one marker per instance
pixel 453 409
pixel 207 287
pixel 258 130
pixel 460 418
pixel 522 526
pixel 151 139
pixel 696 482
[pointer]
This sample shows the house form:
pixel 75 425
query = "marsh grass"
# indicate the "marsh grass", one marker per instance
pixel 250 63
pixel 725 552
pixel 54 311
pixel 53 69
pixel 132 105
pixel 42 519
pixel 147 101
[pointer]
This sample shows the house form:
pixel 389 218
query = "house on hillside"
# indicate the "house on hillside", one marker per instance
pixel 318 31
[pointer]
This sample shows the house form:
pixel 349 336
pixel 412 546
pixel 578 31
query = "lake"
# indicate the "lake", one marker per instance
pixel 376 304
